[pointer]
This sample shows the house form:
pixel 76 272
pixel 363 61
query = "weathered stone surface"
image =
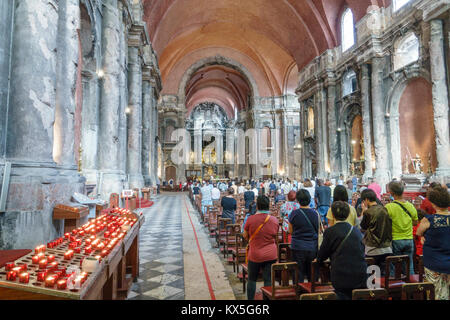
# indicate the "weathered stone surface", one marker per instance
pixel 146 131
pixel 367 123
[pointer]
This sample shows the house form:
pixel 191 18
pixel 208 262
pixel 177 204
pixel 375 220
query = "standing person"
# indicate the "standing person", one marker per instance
pixel 375 187
pixel 309 187
pixel 355 183
pixel 261 230
pixel 196 190
pixel 280 196
pixel 215 193
pixel 426 205
pixel 323 200
pixel 377 227
pixel 249 197
pixel 255 191
pixel 206 197
pixel 158 185
pixel 273 188
pixel 340 194
pixel 304 228
pixel 229 206
pixel 342 243
pixel 436 248
pixel 350 191
pixel 241 188
pixel 285 211
pixel 404 216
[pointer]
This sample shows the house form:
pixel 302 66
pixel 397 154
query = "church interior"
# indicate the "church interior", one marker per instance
pixel 143 109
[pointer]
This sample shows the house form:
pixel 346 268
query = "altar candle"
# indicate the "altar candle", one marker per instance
pixel 11 276
pixel 43 263
pixel 41 275
pixel 51 258
pixel 50 281
pixel 9 266
pixel 24 277
pixel 61 284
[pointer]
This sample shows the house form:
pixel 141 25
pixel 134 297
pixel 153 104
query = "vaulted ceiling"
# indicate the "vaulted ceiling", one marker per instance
pixel 272 39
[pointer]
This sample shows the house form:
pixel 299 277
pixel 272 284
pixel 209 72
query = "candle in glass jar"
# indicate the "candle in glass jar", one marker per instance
pixel 43 263
pixel 104 253
pixel 74 231
pixel 11 276
pixel 24 277
pixel 24 267
pixel 61 284
pixel 35 259
pixel 77 250
pixel 67 235
pixel 88 250
pixel 50 281
pixel 72 245
pixel 106 234
pixel 68 255
pixel 9 266
pixel 53 265
pixel 51 258
pixel 41 275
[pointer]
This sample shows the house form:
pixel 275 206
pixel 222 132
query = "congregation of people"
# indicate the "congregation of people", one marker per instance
pixel 323 222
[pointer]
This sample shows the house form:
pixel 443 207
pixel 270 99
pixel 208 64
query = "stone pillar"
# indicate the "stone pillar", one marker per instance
pixel 36 183
pixel 134 155
pixel 379 124
pixel 440 98
pixel 110 142
pixel 366 120
pixel 155 135
pixel 66 81
pixel 146 131
pixel 332 131
pixel 198 139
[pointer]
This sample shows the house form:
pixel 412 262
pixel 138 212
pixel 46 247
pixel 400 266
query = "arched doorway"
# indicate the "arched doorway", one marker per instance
pixel 357 148
pixel 171 173
pixel 416 122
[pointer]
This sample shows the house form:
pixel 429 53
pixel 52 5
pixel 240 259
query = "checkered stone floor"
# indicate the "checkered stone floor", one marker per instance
pixel 161 272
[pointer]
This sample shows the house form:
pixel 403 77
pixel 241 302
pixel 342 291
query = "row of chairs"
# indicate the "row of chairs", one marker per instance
pixel 232 245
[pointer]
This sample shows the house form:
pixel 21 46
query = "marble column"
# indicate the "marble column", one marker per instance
pixel 66 81
pixel 146 130
pixel 440 97
pixel 134 154
pixel 366 120
pixel 155 163
pixel 379 124
pixel 198 139
pixel 332 131
pixel 110 142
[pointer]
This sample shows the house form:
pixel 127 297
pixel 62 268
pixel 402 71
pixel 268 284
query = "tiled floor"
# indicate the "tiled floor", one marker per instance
pixel 161 252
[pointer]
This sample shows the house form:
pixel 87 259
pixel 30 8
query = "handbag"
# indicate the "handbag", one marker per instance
pixel 319 231
pixel 253 236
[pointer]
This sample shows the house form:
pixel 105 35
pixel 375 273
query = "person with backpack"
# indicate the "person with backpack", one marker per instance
pixel 404 216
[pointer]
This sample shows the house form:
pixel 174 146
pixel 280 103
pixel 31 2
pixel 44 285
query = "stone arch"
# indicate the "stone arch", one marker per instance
pixel 393 116
pixel 218 60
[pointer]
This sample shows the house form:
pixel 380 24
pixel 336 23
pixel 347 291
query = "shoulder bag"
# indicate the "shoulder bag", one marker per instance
pixel 253 236
pixel 319 231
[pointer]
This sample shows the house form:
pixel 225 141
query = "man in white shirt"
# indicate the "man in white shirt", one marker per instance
pixel 241 189
pixel 215 193
pixel 255 191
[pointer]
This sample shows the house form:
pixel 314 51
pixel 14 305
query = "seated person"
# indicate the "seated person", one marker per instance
pixel 342 243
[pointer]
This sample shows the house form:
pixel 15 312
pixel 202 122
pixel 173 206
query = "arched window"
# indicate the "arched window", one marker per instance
pixel 406 51
pixel 347 30
pixel 399 4
pixel 349 84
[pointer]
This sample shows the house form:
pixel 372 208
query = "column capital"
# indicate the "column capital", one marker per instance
pixel 138 36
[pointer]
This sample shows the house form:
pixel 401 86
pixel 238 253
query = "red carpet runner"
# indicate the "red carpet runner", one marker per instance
pixel 143 203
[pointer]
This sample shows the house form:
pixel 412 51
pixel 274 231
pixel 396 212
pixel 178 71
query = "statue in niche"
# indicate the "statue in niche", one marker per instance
pixel 311 121
pixel 417 164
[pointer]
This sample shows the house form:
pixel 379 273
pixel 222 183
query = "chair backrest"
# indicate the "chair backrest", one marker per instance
pixel 322 272
pixel 319 296
pixel 370 294
pixel 284 252
pixel 370 261
pixel 398 262
pixel 232 229
pixel 289 271
pixel 418 291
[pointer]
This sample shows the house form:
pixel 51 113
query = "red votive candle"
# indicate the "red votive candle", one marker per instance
pixel 24 267
pixel 53 265
pixel 43 263
pixel 50 281
pixel 106 234
pixel 35 259
pixel 104 253
pixel 41 275
pixel 74 231
pixel 9 266
pixel 11 276
pixel 88 250
pixel 24 277
pixel 77 250
pixel 72 245
pixel 68 255
pixel 50 245
pixel 51 258
pixel 61 284
pixel 67 235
